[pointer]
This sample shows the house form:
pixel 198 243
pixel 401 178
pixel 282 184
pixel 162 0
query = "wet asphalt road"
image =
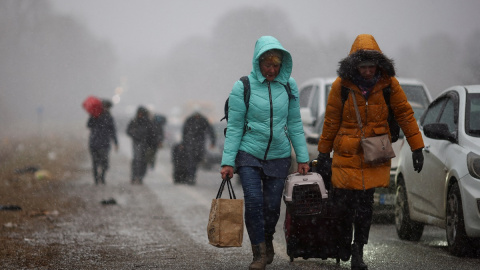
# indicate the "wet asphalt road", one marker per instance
pixel 185 210
pixel 160 225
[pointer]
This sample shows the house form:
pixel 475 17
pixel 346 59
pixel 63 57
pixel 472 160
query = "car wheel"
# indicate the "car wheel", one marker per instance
pixel 407 229
pixel 458 242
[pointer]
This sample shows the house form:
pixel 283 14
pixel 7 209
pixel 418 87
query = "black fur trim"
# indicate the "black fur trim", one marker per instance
pixel 348 66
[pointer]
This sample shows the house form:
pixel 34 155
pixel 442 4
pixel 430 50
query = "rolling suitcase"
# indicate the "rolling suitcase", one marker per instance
pixel 312 228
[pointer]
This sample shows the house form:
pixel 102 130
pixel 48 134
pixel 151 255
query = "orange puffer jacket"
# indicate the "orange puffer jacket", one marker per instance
pixel 341 132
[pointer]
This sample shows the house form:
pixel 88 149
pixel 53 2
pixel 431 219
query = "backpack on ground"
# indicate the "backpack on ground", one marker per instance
pixel 246 98
pixel 392 123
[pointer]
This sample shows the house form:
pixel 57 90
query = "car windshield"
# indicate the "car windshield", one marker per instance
pixel 472 114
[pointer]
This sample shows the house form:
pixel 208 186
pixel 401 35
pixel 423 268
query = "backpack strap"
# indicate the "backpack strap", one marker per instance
pixel 344 94
pixel 386 95
pixel 246 91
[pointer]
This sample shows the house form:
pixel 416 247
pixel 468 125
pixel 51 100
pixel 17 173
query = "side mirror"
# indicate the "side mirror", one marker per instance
pixel 439 131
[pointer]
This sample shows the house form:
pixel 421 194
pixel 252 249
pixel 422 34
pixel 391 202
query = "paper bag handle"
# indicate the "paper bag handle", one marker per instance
pixel 229 186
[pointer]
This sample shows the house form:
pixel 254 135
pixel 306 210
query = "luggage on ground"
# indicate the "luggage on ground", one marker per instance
pixel 312 224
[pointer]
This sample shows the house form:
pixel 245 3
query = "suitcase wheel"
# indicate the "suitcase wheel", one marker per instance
pixel 291 258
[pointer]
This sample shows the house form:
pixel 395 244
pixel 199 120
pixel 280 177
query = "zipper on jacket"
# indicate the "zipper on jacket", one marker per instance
pixel 271 121
pixel 285 128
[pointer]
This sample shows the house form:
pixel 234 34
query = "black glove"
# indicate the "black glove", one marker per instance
pixel 417 157
pixel 321 159
pixel 324 167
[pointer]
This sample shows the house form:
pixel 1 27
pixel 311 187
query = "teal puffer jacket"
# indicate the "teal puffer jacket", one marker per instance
pixel 273 119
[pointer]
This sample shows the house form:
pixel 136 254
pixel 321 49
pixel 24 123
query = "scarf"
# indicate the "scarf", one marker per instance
pixel 364 84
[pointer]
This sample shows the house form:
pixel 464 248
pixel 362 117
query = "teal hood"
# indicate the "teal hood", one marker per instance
pixel 272 124
pixel 267 43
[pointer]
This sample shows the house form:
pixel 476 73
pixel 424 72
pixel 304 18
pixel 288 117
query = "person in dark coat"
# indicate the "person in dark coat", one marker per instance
pixel 156 139
pixel 195 129
pixel 102 132
pixel 140 129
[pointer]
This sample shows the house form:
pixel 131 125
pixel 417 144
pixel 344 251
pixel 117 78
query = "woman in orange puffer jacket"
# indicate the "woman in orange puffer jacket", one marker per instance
pixel 365 72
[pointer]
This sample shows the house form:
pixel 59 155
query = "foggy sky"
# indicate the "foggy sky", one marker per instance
pixel 144 28
pixel 169 54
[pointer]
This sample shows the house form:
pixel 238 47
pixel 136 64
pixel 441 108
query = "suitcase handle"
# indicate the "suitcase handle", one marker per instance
pixel 229 186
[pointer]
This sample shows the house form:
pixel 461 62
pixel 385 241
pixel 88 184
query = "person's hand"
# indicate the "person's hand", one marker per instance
pixel 303 168
pixel 116 147
pixel 226 171
pixel 212 146
pixel 160 145
pixel 417 157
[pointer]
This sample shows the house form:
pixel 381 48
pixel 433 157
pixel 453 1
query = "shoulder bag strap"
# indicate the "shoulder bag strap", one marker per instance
pixel 359 120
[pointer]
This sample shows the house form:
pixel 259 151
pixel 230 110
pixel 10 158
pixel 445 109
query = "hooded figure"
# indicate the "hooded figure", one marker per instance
pixel 366 71
pixel 258 142
pixel 102 133
pixel 195 130
pixel 140 129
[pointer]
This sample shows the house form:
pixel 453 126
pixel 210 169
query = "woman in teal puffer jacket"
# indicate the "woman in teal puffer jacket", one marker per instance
pixel 258 142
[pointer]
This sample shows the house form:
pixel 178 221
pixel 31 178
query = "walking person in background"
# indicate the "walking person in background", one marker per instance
pixel 258 142
pixel 102 132
pixel 155 139
pixel 140 129
pixel 195 129
pixel 364 73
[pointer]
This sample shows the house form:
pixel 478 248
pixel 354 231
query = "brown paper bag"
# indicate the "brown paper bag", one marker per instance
pixel 225 223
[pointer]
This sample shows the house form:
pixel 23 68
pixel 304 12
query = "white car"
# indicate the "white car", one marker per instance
pixel 313 101
pixel 446 193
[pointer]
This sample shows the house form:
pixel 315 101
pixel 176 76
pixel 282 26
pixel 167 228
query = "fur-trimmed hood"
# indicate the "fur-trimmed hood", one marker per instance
pixel 365 48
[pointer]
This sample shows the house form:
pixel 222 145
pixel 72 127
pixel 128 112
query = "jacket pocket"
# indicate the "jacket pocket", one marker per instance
pixel 380 130
pixel 346 145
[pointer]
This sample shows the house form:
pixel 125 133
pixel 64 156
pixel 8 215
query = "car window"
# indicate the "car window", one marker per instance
pixel 472 115
pixel 416 93
pixel 305 96
pixel 433 112
pixel 448 116
pixel 328 87
pixel 319 125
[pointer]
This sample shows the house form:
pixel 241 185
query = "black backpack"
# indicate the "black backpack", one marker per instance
pixel 392 123
pixel 246 99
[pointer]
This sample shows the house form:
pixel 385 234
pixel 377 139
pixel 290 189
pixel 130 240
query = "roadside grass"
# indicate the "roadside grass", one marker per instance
pixel 33 174
pixel 56 159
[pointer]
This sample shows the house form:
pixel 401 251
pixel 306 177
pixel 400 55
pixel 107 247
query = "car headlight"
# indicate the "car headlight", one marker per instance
pixel 473 164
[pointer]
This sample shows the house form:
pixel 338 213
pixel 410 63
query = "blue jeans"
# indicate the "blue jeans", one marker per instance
pixel 262 205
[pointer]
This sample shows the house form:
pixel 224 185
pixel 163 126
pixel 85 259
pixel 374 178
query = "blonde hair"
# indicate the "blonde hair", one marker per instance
pixel 273 55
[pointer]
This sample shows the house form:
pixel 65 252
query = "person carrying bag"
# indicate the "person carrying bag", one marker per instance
pixel 350 127
pixel 225 223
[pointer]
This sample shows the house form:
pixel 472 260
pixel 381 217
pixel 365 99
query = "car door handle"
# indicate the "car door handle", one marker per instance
pixel 427 149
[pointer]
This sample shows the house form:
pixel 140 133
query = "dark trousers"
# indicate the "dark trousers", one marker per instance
pixel 357 208
pixel 195 153
pixel 100 164
pixel 139 162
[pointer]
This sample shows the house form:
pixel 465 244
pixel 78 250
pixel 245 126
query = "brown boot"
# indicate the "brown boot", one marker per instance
pixel 259 257
pixel 269 246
